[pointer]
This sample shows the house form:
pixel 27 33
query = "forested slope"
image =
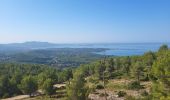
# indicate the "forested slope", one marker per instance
pixel 147 76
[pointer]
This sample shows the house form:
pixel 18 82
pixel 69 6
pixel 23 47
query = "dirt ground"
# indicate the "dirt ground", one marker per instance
pixel 19 97
pixel 26 97
pixel 112 94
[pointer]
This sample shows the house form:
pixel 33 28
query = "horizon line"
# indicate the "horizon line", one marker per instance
pixel 85 42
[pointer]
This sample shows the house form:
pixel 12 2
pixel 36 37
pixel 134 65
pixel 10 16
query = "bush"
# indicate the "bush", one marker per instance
pixel 116 75
pixel 134 85
pixel 93 80
pixel 99 86
pixel 6 95
pixel 121 94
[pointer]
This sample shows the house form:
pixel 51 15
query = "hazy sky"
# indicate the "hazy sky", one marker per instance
pixel 84 21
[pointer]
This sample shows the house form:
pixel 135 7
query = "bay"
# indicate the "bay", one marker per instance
pixel 119 49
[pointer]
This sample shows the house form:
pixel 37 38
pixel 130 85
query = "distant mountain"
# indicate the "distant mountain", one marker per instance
pixel 32 45
pixel 25 46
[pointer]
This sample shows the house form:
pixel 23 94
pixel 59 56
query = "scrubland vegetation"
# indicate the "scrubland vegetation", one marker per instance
pixel 145 77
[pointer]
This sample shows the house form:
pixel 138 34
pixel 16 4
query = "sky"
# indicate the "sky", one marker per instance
pixel 85 21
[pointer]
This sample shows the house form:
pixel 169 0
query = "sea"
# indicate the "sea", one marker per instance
pixel 120 49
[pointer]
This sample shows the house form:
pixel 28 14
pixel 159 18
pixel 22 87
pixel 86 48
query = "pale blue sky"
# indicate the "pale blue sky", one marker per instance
pixel 85 21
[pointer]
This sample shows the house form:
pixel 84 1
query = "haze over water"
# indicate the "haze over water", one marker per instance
pixel 131 49
pixel 119 49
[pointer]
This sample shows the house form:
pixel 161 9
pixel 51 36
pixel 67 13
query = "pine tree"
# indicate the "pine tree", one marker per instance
pixel 77 90
pixel 29 85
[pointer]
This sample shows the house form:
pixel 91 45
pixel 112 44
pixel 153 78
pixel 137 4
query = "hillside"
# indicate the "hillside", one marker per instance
pixel 144 77
pixel 56 57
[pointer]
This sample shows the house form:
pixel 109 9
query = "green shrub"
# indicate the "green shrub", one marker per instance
pixel 134 85
pixel 6 95
pixel 99 86
pixel 121 93
pixel 93 80
pixel 116 75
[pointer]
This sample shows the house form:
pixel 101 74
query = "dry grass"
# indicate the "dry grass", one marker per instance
pixel 116 85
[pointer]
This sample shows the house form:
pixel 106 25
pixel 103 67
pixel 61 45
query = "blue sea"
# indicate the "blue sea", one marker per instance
pixel 120 49
pixel 131 49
